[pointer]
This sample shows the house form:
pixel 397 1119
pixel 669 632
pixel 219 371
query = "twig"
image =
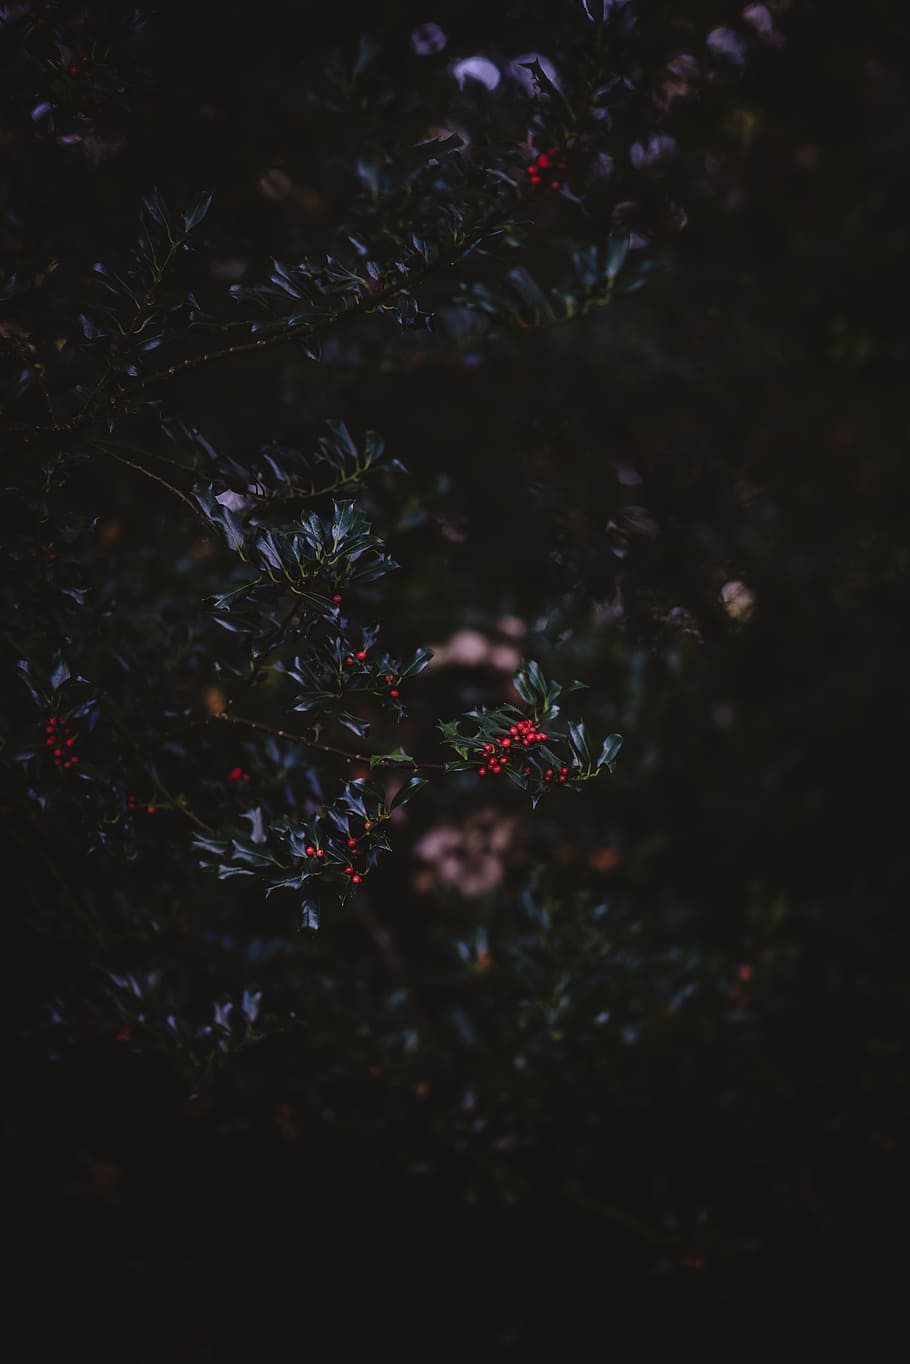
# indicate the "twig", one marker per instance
pixel 345 753
pixel 156 478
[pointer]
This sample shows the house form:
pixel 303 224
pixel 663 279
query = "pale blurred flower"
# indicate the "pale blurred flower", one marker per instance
pixel 427 39
pixel 738 600
pixel 760 18
pixel 255 492
pixel 479 69
pixel 504 658
pixel 601 166
pixel 233 501
pixel 468 648
pixel 684 66
pixel 471 857
pixel 726 43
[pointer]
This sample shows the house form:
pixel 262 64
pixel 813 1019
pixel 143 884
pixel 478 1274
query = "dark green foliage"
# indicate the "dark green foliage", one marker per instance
pixel 659 1013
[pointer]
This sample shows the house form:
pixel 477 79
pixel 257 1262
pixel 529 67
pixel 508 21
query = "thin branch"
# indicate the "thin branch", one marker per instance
pixel 156 478
pixel 365 303
pixel 345 753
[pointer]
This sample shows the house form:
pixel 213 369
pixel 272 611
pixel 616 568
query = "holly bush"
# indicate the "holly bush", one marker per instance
pixel 330 905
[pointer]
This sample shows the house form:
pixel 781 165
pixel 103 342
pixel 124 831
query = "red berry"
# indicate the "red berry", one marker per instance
pixel 549 773
pixel 74 70
pixel 310 851
pixel 505 742
pixel 320 852
pixel 481 772
pixel 126 1031
pixel 349 871
pixel 352 842
pixel 73 761
pixel 361 654
pixel 349 661
pixel 70 742
pixel 337 598
pixel 562 777
pixel 393 692
pixel 235 774
pixel 367 824
pixel 554 184
pixel 355 880
pixel 150 809
pixel 57 752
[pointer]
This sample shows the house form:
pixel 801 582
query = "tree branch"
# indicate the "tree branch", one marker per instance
pixel 366 302
pixel 325 748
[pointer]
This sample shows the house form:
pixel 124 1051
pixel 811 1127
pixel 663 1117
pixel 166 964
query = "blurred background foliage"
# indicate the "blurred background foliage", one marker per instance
pixel 654 1034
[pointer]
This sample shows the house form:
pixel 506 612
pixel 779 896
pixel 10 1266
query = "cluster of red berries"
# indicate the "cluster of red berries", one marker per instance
pixel 131 804
pixel 495 756
pixel 312 851
pixel 61 740
pixel 238 774
pixel 75 67
pixel 393 691
pixel 563 774
pixel 546 168
pixel 45 552
pixel 360 656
